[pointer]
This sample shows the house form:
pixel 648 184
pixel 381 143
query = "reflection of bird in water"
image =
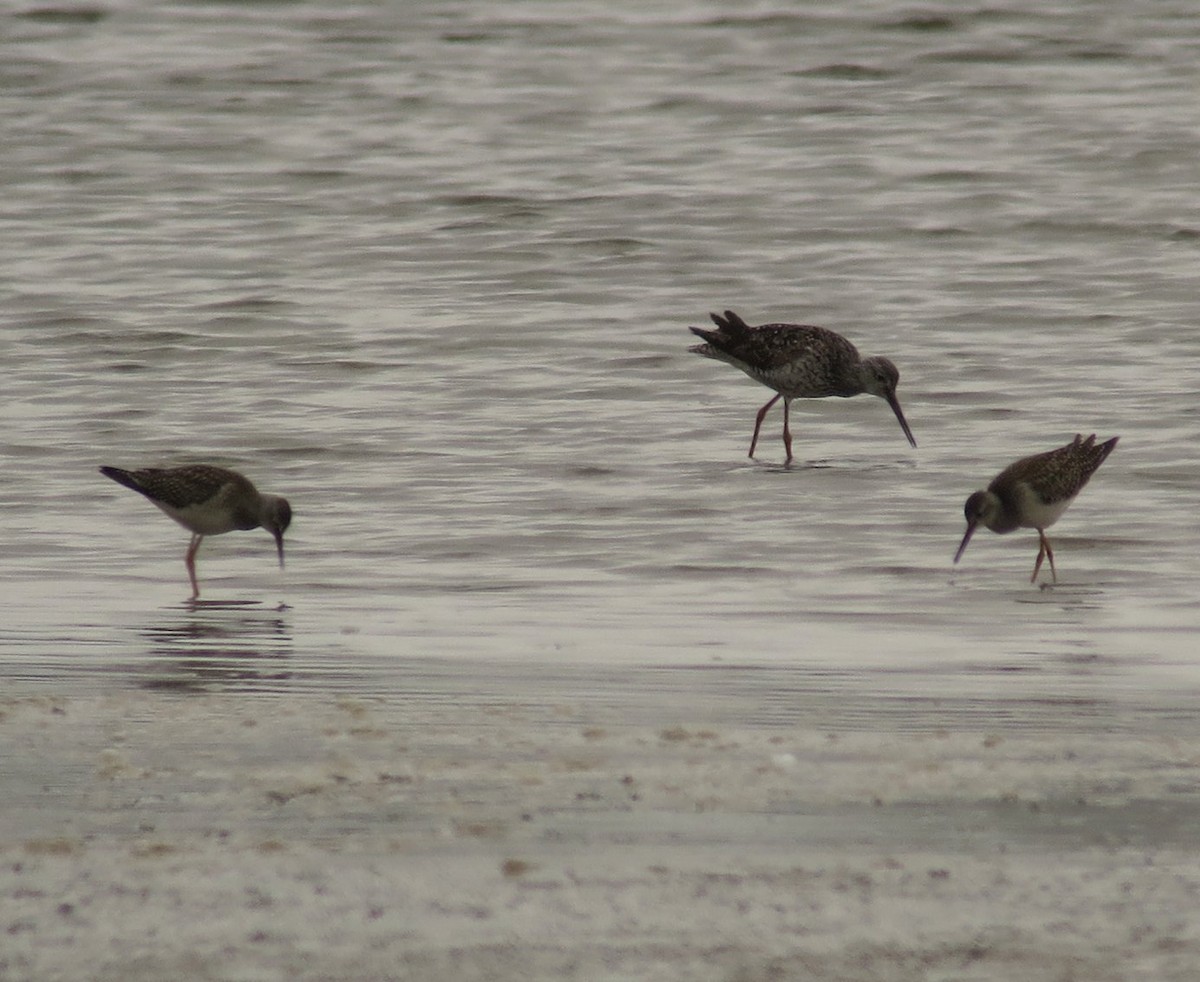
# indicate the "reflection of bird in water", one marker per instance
pixel 1033 492
pixel 226 645
pixel 207 500
pixel 798 361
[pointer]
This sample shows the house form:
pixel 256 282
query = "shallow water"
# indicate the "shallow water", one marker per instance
pixel 428 271
pixel 557 683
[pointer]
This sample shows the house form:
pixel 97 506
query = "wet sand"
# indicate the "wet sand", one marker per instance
pixel 558 683
pixel 151 836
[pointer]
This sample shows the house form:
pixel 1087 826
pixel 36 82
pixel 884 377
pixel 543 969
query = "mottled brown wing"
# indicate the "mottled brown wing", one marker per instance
pixel 772 346
pixel 1058 474
pixel 177 487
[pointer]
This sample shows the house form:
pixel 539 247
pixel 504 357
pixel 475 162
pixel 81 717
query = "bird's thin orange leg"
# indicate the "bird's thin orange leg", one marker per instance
pixel 758 421
pixel 190 562
pixel 1044 552
pixel 1049 554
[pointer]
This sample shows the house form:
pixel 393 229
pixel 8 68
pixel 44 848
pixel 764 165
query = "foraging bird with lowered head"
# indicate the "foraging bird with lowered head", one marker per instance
pixel 207 500
pixel 798 361
pixel 1033 493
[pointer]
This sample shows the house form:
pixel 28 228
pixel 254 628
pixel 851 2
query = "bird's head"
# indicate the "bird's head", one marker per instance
pixel 981 507
pixel 276 517
pixel 880 378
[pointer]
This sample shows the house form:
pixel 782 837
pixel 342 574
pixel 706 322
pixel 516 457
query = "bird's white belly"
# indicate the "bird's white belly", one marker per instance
pixel 1035 513
pixel 201 519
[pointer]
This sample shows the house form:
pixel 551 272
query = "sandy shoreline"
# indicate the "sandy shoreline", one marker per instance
pixel 216 837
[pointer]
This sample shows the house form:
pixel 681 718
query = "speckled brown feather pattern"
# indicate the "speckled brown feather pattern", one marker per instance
pixel 800 360
pixel 1056 475
pixel 180 487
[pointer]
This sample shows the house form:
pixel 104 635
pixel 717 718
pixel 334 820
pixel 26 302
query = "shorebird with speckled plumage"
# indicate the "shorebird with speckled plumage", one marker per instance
pixel 798 361
pixel 207 500
pixel 1033 492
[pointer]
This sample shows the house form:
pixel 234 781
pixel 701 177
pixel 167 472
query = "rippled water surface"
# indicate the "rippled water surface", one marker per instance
pixel 428 269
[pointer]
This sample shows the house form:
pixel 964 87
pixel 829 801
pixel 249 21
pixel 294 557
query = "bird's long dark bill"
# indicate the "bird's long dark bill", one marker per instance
pixel 895 404
pixel 279 546
pixel 962 546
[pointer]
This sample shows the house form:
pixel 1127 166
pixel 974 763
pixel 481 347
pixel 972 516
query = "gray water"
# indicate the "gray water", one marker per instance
pixel 427 269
